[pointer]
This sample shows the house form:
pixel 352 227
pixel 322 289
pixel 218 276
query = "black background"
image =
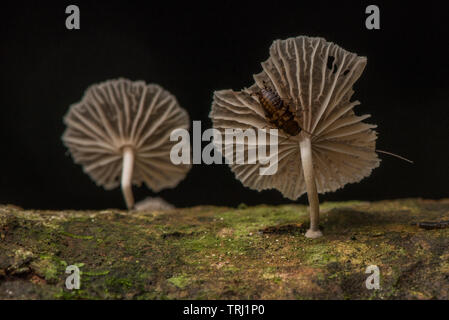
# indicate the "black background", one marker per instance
pixel 192 49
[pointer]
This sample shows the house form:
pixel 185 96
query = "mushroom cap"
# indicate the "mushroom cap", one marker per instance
pixel 118 113
pixel 315 77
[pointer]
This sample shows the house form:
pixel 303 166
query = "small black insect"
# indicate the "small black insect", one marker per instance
pixel 277 111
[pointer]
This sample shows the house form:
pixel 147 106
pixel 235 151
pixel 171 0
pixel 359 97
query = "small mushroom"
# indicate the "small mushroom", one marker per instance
pixel 334 147
pixel 120 133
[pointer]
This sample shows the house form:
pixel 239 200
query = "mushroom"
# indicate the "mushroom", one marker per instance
pixel 120 133
pixel 334 147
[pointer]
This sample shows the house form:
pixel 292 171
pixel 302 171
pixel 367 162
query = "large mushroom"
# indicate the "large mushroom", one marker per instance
pixel 334 147
pixel 120 133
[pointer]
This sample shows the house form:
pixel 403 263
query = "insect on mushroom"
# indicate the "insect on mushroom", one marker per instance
pixel 329 146
pixel 280 115
pixel 278 112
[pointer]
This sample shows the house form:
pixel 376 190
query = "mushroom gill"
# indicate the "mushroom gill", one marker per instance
pixel 120 133
pixel 334 147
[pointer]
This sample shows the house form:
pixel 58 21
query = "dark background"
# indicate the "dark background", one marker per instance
pixel 192 49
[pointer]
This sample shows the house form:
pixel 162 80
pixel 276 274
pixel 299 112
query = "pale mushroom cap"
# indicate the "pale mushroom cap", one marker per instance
pixel 119 113
pixel 343 147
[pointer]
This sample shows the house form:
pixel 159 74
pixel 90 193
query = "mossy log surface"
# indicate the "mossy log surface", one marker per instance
pixel 227 253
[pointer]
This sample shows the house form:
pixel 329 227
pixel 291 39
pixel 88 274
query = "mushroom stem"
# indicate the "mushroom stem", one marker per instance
pixel 312 194
pixel 127 173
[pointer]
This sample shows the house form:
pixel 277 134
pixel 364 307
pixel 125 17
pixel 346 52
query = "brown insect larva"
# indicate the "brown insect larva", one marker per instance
pixel 278 111
pixel 280 115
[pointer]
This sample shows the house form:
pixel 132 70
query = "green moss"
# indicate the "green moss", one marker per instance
pixel 76 236
pixel 47 267
pixel 180 281
pixel 242 206
pixel 118 284
pixel 231 269
pixel 95 273
pixel 249 252
pixel 319 255
pixel 253 219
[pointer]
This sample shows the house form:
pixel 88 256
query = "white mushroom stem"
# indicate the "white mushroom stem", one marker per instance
pixel 127 174
pixel 312 194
